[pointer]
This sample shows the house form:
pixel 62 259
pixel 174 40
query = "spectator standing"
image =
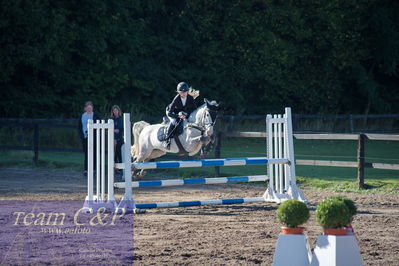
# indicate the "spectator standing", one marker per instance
pixel 83 132
pixel 116 115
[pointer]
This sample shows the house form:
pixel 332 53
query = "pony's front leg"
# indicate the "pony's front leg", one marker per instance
pixel 138 173
pixel 141 174
pixel 145 154
pixel 196 144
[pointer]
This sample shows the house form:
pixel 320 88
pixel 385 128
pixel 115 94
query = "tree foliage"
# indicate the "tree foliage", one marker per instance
pixel 256 56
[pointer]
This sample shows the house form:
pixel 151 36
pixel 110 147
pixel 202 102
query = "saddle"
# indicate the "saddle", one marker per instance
pixel 177 131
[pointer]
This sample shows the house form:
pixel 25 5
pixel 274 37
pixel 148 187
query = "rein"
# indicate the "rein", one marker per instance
pixel 195 126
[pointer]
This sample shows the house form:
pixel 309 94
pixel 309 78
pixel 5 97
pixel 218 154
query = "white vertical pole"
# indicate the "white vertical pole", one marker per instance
pixel 127 171
pixel 275 155
pixel 127 203
pixel 269 128
pixel 102 161
pixel 90 160
pixel 98 159
pixel 290 142
pixel 285 153
pixel 280 155
pixel 111 160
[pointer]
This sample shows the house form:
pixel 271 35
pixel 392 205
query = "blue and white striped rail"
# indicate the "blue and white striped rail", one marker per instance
pixel 208 162
pixel 193 181
pixel 197 203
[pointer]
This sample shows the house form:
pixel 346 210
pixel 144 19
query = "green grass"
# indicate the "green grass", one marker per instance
pixel 51 160
pixel 371 185
pixel 332 178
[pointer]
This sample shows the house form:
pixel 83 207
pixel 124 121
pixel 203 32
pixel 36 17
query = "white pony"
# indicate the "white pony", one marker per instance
pixel 197 131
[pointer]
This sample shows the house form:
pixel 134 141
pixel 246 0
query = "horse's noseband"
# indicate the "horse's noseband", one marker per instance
pixel 203 128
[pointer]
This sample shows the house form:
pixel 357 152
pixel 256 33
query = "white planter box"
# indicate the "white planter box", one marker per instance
pixel 336 251
pixel 292 250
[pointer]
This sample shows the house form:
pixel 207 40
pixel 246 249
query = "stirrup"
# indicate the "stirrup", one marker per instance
pixel 166 143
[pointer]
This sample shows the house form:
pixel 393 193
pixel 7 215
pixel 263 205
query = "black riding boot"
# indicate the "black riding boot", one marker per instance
pixel 169 135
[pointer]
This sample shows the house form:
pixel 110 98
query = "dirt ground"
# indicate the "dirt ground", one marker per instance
pixel 215 235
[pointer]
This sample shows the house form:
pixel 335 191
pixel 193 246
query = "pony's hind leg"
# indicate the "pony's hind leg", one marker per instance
pixel 154 154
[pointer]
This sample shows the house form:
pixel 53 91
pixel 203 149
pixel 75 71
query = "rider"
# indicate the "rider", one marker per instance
pixel 179 109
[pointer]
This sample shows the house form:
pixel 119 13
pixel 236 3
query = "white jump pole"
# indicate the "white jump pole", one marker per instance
pixel 270 168
pixel 127 203
pixel 102 152
pixel 275 155
pixel 293 190
pixel 111 161
pixel 280 155
pixel 97 152
pixel 90 152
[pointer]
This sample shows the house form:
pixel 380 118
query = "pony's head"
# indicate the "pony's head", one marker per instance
pixel 206 116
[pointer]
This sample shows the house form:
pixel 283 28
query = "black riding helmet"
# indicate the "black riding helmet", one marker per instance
pixel 182 86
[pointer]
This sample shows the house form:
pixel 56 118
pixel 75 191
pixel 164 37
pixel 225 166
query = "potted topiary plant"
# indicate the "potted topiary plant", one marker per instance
pixel 350 204
pixel 292 247
pixel 333 215
pixel 292 213
pixel 335 245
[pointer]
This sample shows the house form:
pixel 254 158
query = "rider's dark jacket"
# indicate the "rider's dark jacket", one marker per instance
pixel 176 106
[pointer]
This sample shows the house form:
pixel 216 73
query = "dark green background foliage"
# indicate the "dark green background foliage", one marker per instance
pixel 255 56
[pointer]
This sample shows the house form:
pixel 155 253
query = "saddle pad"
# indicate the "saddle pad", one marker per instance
pixel 161 135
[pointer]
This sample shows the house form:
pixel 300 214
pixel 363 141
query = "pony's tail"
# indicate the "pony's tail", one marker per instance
pixel 137 128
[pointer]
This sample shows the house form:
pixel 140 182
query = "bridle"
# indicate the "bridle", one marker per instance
pixel 209 111
pixel 203 128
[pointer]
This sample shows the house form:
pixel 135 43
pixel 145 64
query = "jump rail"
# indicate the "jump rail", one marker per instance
pixel 205 162
pixel 197 203
pixel 194 181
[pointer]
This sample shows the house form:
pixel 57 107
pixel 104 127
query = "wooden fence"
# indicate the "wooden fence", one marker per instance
pixel 360 138
pixel 35 125
pixel 70 124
